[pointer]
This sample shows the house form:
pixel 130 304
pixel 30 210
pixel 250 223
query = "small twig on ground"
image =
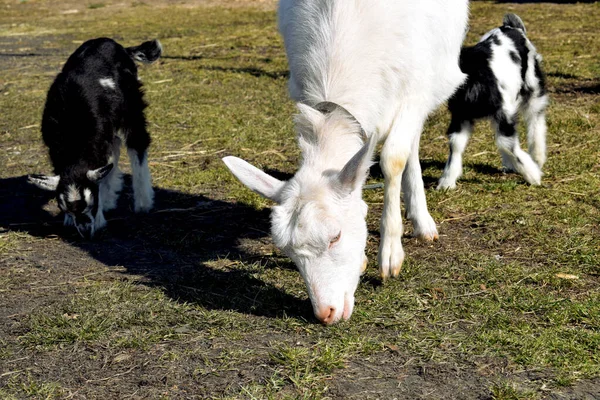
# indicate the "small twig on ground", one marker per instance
pixel 187 146
pixel 455 218
pixel 573 193
pixel 162 164
pixel 11 373
pixel 467 294
pixel 30 126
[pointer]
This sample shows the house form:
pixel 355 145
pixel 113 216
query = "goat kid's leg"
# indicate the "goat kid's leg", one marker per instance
pixel 113 183
pixel 394 157
pixel 138 141
pixel 535 117
pixel 508 144
pixel 459 133
pixel 99 220
pixel 68 221
pixel 414 196
pixel 143 193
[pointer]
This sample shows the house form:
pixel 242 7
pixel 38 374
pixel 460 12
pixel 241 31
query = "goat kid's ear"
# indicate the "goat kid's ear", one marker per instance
pixel 255 179
pixel 355 172
pixel 44 181
pixel 96 175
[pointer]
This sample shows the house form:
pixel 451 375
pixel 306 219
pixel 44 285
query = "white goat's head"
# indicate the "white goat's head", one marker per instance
pixel 319 219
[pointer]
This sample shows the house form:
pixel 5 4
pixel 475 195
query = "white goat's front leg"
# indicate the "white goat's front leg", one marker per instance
pixel 394 157
pixel 143 193
pixel 414 196
pixel 458 135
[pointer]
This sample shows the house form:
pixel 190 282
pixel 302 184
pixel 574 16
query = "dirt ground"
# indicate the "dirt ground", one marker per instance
pixel 47 264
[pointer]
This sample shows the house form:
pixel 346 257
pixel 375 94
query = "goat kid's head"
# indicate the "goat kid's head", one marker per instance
pixel 77 194
pixel 319 218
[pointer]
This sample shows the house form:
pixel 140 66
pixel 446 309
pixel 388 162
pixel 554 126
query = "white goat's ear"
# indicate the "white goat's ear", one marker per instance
pixel 355 172
pixel 255 179
pixel 44 181
pixel 96 175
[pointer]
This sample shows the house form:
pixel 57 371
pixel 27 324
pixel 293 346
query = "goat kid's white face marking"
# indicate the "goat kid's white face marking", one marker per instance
pixel 79 214
pixel 107 83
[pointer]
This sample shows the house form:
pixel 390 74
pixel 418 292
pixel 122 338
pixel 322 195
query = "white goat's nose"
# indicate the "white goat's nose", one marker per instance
pixel 326 314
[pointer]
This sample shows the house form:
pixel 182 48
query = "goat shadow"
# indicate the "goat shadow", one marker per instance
pixel 171 247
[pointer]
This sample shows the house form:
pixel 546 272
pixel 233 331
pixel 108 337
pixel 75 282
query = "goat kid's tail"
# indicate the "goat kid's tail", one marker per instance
pixel 514 21
pixel 147 52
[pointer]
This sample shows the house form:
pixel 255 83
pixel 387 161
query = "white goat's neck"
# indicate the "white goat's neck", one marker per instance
pixel 327 141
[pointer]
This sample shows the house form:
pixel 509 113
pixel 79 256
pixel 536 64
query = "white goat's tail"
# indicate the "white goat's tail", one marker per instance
pixel 147 52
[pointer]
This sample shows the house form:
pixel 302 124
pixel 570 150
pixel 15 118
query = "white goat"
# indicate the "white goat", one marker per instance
pixel 361 71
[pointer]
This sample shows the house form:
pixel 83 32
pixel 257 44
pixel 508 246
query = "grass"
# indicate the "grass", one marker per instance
pixel 199 303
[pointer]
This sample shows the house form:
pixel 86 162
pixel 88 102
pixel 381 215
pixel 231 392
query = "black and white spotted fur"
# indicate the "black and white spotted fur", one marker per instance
pixel 504 78
pixel 96 102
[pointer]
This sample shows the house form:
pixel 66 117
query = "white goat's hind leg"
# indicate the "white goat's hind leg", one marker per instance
pixel 508 144
pixel 414 197
pixel 459 133
pixel 143 193
pixel 535 118
pixel 394 156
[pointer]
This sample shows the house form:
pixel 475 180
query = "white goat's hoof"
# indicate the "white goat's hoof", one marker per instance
pixel 391 257
pixel 363 268
pixel 425 228
pixel 446 184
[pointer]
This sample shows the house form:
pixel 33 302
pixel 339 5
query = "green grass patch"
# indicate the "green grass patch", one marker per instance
pixel 513 282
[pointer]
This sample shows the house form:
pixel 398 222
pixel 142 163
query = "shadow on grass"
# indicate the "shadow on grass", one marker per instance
pixel 257 72
pixel 579 89
pixel 172 247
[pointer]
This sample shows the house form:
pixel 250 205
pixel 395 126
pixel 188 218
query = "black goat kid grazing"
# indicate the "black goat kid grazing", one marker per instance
pixel 504 78
pixel 95 102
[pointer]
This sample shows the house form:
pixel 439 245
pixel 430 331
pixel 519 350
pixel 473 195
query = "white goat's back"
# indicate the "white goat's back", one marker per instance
pixel 374 55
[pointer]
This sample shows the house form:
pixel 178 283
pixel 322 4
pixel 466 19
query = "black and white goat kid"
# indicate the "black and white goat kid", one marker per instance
pixel 95 102
pixel 504 78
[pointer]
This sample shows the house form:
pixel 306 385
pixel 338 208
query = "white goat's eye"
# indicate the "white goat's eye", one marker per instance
pixel 335 239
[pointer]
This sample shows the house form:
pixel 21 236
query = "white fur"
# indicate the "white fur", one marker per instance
pixel 45 182
pixel 113 183
pixel 143 193
pixel 107 83
pixel 389 63
pixel 454 168
pixel 73 193
pixel 510 83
